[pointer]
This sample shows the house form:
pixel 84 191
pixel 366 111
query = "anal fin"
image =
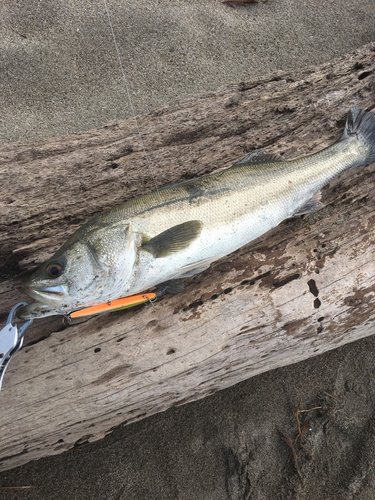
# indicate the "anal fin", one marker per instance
pixel 311 205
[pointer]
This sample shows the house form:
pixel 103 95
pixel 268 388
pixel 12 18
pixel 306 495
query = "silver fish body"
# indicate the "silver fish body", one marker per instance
pixel 180 230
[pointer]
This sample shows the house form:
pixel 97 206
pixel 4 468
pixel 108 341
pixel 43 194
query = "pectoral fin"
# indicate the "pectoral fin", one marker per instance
pixel 174 239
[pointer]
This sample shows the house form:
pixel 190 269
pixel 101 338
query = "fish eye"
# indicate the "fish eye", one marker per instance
pixel 54 269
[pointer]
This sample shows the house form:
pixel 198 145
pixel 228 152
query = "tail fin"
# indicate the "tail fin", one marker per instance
pixel 361 124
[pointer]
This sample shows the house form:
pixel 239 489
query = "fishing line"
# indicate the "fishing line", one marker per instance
pixel 130 100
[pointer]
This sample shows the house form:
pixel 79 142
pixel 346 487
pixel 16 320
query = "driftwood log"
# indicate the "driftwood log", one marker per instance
pixel 304 288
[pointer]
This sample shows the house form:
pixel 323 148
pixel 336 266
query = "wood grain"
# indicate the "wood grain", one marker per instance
pixel 304 288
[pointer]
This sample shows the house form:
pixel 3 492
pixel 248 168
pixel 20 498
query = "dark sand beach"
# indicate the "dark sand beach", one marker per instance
pixel 60 75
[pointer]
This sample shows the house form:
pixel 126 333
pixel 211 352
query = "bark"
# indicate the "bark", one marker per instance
pixel 303 289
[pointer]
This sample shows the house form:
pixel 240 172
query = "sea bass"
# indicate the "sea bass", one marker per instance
pixel 180 230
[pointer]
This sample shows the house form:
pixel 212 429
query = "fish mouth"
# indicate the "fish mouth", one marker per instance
pixel 51 296
pixel 48 300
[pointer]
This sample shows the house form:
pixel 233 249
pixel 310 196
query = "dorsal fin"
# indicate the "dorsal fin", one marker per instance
pixel 259 156
pixel 174 239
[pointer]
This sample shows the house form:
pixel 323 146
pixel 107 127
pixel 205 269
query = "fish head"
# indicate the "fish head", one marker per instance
pixel 92 267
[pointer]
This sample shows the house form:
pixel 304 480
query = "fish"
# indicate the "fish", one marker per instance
pixel 180 230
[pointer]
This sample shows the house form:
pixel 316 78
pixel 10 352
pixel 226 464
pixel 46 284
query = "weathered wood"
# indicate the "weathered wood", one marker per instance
pixel 305 288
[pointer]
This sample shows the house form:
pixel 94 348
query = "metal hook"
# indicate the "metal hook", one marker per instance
pixel 11 339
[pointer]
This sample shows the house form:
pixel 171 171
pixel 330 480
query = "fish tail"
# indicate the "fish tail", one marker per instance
pixel 361 124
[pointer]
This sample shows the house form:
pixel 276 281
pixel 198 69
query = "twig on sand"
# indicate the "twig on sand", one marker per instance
pixel 330 395
pixel 241 2
pixel 292 450
pixel 299 437
pixel 16 487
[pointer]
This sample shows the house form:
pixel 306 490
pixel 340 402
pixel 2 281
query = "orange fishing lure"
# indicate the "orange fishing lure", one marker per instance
pixel 114 305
